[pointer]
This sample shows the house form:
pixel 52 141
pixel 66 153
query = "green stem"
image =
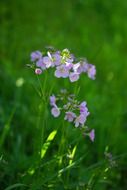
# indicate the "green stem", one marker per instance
pixel 41 89
pixel 77 89
pixel 41 122
pixel 62 143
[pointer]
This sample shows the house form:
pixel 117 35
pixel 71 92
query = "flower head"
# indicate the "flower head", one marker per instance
pixel 38 71
pixel 92 135
pixel 75 112
pixel 80 120
pixel 56 58
pixel 65 63
pixel 55 111
pixel 70 116
pixel 74 76
pixel 61 71
pixel 76 66
pixel 85 67
pixel 83 109
pixel 35 55
pixel 91 71
pixel 41 64
pixel 47 61
pixel 52 100
pixel 69 65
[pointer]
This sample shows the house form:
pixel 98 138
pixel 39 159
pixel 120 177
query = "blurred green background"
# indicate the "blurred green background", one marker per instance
pixel 96 29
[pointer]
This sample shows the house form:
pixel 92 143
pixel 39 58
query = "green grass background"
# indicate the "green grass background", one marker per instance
pixel 96 29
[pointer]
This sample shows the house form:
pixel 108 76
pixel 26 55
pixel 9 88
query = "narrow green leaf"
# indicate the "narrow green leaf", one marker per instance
pixel 7 127
pixel 72 154
pixel 47 143
pixel 74 164
pixel 14 186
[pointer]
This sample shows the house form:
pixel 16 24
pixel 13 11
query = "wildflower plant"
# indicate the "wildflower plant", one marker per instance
pixel 66 65
pixel 64 105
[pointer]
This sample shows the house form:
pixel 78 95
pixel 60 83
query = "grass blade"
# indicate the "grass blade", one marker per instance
pixel 47 143
pixel 15 185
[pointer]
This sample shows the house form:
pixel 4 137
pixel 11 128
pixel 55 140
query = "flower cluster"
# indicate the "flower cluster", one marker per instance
pixel 75 112
pixel 65 64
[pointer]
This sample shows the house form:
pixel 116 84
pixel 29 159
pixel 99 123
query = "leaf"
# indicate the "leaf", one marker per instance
pixel 15 185
pixel 68 167
pixel 47 143
pixel 72 154
pixel 7 127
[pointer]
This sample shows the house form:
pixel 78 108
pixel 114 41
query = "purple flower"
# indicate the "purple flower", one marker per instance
pixel 80 69
pixel 92 135
pixel 85 67
pixel 80 120
pixel 83 109
pixel 69 65
pixel 35 55
pixel 76 67
pixel 47 61
pixel 74 76
pixel 91 71
pixel 41 64
pixel 55 111
pixel 82 105
pixel 61 71
pixel 56 58
pixel 70 116
pixel 38 71
pixel 52 100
